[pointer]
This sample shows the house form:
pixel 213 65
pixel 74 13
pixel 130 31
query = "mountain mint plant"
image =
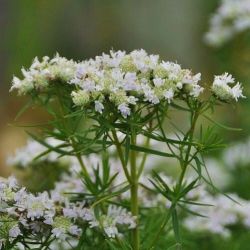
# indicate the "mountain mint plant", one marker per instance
pixel 114 106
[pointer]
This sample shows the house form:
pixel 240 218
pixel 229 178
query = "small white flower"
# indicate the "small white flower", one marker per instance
pixel 12 211
pixel 224 79
pixel 124 109
pixel 158 82
pixel 59 233
pixel 237 92
pixel 14 231
pixel 81 71
pixel 99 107
pixel 111 231
pixel 75 230
pixel 132 100
pixel 88 85
pixel 48 220
pixel 12 181
pixel 70 212
pixel 196 90
pixel 149 95
pixel 130 82
pixel 16 83
pixel 169 95
pixel 86 214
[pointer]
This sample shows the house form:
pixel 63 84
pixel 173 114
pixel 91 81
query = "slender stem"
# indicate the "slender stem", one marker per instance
pixel 186 160
pixel 79 158
pixel 134 195
pixel 144 158
pixel 120 154
pixel 133 180
pixel 84 169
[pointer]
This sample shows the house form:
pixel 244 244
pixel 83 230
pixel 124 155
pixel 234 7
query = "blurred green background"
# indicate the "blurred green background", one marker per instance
pixel 81 29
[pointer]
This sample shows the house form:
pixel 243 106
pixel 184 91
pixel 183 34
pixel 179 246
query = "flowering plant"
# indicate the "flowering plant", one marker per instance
pixel 115 106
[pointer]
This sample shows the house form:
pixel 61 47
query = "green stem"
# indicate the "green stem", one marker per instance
pixel 134 196
pixel 79 158
pixel 190 138
pixel 133 180
pixel 144 158
pixel 120 154
pixel 84 169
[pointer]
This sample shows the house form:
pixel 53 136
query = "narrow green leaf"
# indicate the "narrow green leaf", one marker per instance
pixel 188 188
pixel 221 125
pixel 196 203
pixel 56 149
pixel 150 151
pixel 179 107
pixel 23 109
pixel 192 212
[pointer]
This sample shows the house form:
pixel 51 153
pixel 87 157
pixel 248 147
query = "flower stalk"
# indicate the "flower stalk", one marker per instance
pixel 134 195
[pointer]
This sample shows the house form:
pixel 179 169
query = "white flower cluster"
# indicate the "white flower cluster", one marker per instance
pixel 33 213
pixel 222 212
pixel 231 18
pixel 116 216
pixel 41 73
pixel 67 184
pixel 22 211
pixel 223 91
pixel 25 155
pixel 125 79
pixel 109 223
pixel 119 78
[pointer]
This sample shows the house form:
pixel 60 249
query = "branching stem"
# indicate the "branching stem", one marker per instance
pixel 121 155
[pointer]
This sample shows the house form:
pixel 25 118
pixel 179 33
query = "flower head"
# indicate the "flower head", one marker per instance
pixel 222 89
pixel 117 80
